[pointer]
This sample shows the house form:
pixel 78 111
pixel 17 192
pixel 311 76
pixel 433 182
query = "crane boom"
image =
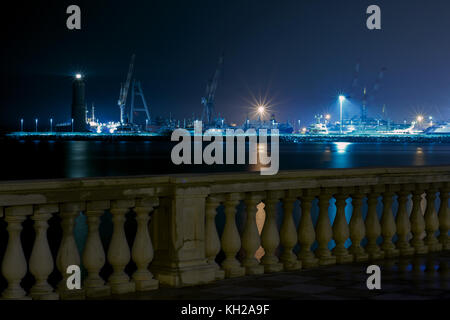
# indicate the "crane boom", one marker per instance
pixel 208 99
pixel 124 90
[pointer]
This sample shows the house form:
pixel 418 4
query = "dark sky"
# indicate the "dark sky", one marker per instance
pixel 301 53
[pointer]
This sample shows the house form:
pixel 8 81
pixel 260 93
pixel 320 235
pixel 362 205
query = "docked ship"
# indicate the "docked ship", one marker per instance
pixel 443 128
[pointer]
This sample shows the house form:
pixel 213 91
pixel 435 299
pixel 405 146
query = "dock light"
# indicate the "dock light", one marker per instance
pixel 328 117
pixel 341 101
pixel 419 119
pixel 36 120
pixel 78 76
pixel 261 109
pixel 72 125
pixel 21 124
pixel 51 124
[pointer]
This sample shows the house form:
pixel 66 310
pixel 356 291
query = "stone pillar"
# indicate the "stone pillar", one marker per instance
pixel 306 233
pixel 41 260
pixel 119 251
pixel 388 227
pixel 270 237
pixel 324 231
pixel 444 218
pixel 357 229
pixel 403 225
pixel 178 235
pixel 341 230
pixel 431 222
pixel 373 227
pixel 68 252
pixel 288 234
pixel 418 223
pixel 231 240
pixel 142 251
pixel 250 237
pixel 14 264
pixel 93 253
pixel 212 240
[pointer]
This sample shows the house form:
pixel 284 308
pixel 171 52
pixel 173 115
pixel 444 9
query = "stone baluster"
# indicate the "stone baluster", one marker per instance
pixel 212 240
pixel 306 233
pixel 94 254
pixel 388 227
pixel 14 264
pixel 142 251
pixel 119 251
pixel 431 222
pixel 403 225
pixel 231 240
pixel 341 230
pixel 324 231
pixel 288 234
pixel 41 260
pixel 270 237
pixel 444 218
pixel 250 237
pixel 418 223
pixel 357 229
pixel 373 228
pixel 68 254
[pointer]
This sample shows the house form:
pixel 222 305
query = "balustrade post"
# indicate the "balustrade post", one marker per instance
pixel 142 251
pixel 431 222
pixel 288 234
pixel 119 251
pixel 212 240
pixel 324 231
pixel 250 237
pixel 341 229
pixel 403 225
pixel 270 237
pixel 231 240
pixel 357 229
pixel 418 222
pixel 93 253
pixel 388 227
pixel 444 218
pixel 14 264
pixel 373 227
pixel 68 251
pixel 41 260
pixel 306 233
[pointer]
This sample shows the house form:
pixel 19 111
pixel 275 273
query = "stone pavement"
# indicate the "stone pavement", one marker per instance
pixel 416 278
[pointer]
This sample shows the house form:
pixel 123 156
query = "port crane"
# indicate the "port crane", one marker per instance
pixel 208 99
pixel 124 90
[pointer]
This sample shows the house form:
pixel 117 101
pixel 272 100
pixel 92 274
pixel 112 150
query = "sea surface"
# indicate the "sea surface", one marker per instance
pixel 24 160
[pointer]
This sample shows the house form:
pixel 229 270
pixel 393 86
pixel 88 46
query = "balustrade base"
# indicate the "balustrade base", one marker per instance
pixel 97 291
pixel 185 276
pixel 220 274
pixel 254 270
pixel 309 261
pixel 66 294
pixel 422 249
pixel 406 251
pixel 271 268
pixel 343 259
pixel 391 253
pixel 434 247
pixel 146 285
pixel 292 265
pixel 377 255
pixel 327 260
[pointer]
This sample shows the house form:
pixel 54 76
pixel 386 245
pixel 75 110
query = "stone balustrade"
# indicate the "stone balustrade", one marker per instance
pixel 189 230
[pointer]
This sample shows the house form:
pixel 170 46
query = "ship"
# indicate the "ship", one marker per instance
pixel 443 128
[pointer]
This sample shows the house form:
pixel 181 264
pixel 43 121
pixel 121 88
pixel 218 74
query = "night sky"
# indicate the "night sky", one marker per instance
pixel 301 54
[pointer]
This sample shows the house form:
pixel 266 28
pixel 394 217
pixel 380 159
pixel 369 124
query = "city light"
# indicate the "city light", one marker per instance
pixel 341 101
pixel 78 76
pixel 328 116
pixel 36 120
pixel 261 110
pixel 419 119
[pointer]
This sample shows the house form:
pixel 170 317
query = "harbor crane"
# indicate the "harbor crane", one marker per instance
pixel 124 88
pixel 208 99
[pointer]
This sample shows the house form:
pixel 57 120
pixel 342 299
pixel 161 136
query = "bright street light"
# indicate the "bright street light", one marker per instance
pixel 419 118
pixel 78 76
pixel 341 101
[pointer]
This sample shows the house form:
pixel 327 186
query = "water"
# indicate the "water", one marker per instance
pixel 75 159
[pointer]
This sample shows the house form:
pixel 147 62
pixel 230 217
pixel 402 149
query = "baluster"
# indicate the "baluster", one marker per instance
pixel 142 251
pixel 231 241
pixel 373 228
pixel 324 231
pixel 14 265
pixel 388 227
pixel 119 251
pixel 94 254
pixel 270 237
pixel 41 260
pixel 68 252
pixel 444 219
pixel 431 222
pixel 212 244
pixel 357 229
pixel 403 225
pixel 250 237
pixel 418 223
pixel 288 235
pixel 341 230
pixel 306 233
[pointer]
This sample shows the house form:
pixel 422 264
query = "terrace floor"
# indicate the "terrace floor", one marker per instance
pixel 416 278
